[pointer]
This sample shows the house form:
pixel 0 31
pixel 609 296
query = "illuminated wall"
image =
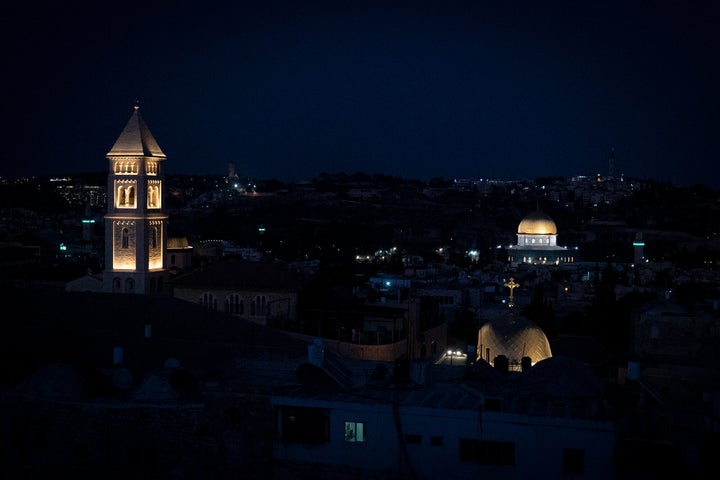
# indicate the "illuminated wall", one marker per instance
pixel 155 243
pixel 124 244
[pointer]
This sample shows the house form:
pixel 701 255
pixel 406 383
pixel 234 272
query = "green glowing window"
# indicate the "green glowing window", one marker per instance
pixel 355 432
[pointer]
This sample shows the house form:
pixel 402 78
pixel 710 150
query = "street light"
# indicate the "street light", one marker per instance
pixel 454 353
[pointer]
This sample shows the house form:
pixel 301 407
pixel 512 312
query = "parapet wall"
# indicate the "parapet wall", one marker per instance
pixel 387 352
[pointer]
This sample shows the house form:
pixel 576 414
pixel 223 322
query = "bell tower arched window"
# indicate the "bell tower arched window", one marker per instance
pixel 125 238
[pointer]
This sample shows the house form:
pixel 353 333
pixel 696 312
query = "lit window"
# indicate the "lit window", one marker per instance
pixel 355 431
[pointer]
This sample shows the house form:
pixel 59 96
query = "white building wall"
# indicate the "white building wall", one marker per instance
pixel 539 442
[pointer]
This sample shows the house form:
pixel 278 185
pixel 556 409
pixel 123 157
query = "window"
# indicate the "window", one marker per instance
pixel 125 238
pixel 209 301
pixel 234 304
pixel 413 439
pixel 126 196
pixel 355 431
pixel 573 461
pixel 153 196
pixel 487 452
pixel 303 425
pixel 154 237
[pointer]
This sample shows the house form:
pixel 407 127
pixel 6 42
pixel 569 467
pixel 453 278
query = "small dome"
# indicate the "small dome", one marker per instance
pixel 514 337
pixel 537 223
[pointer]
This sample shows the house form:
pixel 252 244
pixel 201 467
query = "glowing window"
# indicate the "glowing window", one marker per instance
pixel 355 432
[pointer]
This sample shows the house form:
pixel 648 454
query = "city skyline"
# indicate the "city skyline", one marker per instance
pixel 421 90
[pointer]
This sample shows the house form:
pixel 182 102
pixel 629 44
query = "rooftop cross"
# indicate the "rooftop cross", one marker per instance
pixel 512 286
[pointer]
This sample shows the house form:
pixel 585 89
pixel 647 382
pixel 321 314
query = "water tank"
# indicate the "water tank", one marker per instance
pixel 502 364
pixel 525 364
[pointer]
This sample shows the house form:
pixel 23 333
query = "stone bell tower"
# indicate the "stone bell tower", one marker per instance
pixel 135 222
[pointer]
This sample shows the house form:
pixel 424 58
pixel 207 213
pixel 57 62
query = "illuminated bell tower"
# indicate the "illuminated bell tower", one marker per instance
pixel 135 223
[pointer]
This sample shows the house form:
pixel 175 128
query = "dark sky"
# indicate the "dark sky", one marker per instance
pixel 287 90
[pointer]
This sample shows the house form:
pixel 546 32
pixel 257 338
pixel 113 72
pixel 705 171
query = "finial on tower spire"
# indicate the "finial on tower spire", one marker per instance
pixel 137 104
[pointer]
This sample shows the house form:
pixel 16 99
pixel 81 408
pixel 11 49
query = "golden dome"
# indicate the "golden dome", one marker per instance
pixel 537 223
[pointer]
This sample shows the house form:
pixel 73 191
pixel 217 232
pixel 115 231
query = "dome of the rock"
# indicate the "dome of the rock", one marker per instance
pixel 537 223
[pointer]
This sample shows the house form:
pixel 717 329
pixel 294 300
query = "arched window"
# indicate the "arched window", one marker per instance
pixel 120 196
pixel 125 238
pixel 130 196
pixel 232 303
pixel 153 196
pixel 209 301
pixel 129 285
pixel 154 237
pixel 116 284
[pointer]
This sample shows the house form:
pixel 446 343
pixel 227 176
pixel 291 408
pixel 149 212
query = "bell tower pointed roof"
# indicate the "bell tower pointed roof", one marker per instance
pixel 136 140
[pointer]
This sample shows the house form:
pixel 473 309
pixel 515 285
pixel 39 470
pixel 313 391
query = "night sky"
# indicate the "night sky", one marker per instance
pixel 288 90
